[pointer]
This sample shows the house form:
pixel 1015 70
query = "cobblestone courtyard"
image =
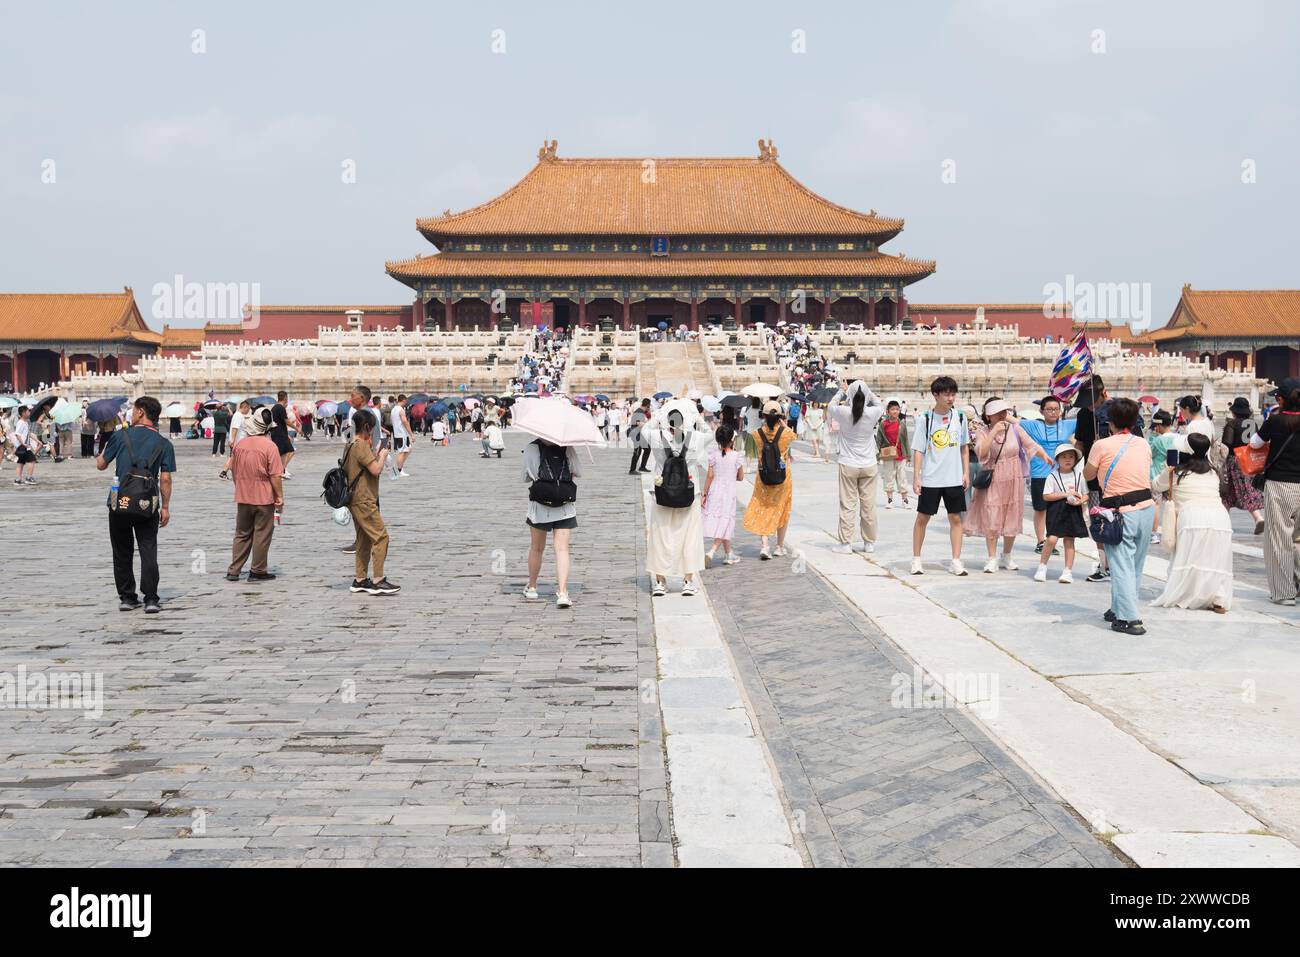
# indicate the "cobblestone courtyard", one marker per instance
pixel 293 723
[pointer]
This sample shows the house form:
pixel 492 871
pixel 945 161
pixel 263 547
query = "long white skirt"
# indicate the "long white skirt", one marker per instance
pixel 676 541
pixel 1200 573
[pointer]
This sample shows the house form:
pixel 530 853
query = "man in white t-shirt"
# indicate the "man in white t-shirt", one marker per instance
pixel 401 428
pixel 941 469
pixel 26 445
pixel 237 421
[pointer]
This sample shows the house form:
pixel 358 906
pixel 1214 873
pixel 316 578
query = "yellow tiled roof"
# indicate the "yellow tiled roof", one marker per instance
pixel 69 317
pixel 1235 312
pixel 652 197
pixel 188 337
pixel 871 265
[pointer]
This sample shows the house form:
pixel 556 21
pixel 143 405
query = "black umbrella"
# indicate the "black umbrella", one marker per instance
pixel 260 400
pixel 506 400
pixel 797 396
pixel 418 398
pixel 824 394
pixel 105 410
pixel 43 406
pixel 736 402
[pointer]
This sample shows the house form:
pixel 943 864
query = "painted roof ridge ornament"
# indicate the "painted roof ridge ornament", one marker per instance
pixel 766 150
pixel 547 152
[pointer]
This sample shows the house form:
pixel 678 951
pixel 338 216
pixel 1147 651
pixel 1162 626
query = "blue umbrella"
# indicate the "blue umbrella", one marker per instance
pixel 602 397
pixel 663 325
pixel 105 410
pixel 663 395
pixel 261 400
pixel 437 410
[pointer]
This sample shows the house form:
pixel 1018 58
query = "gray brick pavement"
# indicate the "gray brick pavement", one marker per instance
pixel 869 784
pixel 452 725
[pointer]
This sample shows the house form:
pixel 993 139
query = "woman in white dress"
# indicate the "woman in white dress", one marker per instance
pixel 1200 572
pixel 676 536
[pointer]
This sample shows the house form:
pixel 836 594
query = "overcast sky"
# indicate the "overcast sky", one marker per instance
pixel 227 165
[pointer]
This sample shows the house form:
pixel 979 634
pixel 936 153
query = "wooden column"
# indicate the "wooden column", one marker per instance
pixel 900 309
pixel 20 380
pixel 738 321
pixel 449 315
pixel 780 307
pixel 417 314
pixel 871 312
pixel 695 313
pixel 627 313
pixel 582 311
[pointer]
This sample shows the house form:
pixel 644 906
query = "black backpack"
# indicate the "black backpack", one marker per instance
pixel 554 485
pixel 337 489
pixel 675 488
pixel 771 468
pixel 136 498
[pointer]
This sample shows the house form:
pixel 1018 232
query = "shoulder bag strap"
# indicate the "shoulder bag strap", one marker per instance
pixel 1114 462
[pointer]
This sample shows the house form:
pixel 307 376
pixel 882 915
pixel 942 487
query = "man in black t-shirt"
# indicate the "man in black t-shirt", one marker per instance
pixel 280 430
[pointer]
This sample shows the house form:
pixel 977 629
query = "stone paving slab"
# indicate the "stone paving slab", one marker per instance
pixel 294 723
pixel 868 783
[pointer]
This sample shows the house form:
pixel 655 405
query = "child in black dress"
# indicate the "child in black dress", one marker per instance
pixel 1066 494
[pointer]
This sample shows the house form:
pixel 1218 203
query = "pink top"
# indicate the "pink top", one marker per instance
pixel 1131 473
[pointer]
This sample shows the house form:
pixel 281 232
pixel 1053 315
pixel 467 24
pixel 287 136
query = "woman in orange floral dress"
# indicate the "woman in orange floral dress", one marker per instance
pixel 768 512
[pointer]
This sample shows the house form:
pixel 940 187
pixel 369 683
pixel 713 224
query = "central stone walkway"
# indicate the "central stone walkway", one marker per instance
pixel 869 783
pixel 292 722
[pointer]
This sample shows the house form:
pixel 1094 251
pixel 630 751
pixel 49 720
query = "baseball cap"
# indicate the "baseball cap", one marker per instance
pixel 1286 386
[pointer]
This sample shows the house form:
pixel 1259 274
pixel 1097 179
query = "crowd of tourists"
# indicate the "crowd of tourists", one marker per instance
pixel 1098 469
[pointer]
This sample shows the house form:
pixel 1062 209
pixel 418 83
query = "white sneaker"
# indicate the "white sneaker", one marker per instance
pixel 917 567
pixel 1040 573
pixel 889 503
pixel 867 547
pixel 731 560
pixel 660 590
pixel 1155 539
pixel 530 594
pixel 1009 563
pixel 990 566
pixel 764 554
pixel 844 548
pixel 778 552
pixel 562 600
pixel 402 473
pixel 1067 577
pixel 689 589
pixel 957 568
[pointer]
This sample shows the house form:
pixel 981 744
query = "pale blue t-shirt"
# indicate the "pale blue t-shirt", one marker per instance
pixel 1048 438
pixel 942 441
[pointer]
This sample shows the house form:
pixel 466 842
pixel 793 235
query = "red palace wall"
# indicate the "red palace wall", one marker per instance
pixel 300 324
pixel 1029 321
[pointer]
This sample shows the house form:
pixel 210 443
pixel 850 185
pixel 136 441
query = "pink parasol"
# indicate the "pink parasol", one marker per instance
pixel 557 421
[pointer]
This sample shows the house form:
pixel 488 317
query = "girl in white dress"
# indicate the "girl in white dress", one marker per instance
pixel 1200 572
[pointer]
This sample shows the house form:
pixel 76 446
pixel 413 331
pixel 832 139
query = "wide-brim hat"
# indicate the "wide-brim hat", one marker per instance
pixel 1066 447
pixel 1240 406
pixel 996 406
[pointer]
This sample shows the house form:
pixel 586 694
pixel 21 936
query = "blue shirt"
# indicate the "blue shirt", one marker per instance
pixel 144 442
pixel 1049 437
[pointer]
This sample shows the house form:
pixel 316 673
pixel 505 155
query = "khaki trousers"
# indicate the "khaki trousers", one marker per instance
pixel 254 525
pixel 372 539
pixel 858 500
pixel 893 474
